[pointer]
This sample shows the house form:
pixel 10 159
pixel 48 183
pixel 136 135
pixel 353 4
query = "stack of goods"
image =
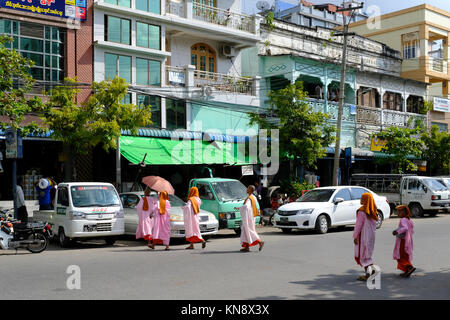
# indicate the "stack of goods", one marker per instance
pixel 29 182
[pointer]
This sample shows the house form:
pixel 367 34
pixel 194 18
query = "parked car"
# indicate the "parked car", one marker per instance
pixel 327 207
pixel 208 222
pixel 444 180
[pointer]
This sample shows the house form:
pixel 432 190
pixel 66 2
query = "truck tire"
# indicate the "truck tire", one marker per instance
pixel 416 210
pixel 110 241
pixel 64 242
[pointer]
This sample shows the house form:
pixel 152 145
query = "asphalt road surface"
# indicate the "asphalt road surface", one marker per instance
pixel 300 265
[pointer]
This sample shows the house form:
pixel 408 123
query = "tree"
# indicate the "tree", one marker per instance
pixel 304 133
pixel 401 143
pixel 436 150
pixel 99 121
pixel 15 82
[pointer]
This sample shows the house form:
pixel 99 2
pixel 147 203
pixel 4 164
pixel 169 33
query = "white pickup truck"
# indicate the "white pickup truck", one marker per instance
pixel 421 194
pixel 85 210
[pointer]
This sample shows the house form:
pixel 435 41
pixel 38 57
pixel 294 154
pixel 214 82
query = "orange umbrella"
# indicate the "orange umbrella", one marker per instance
pixel 158 184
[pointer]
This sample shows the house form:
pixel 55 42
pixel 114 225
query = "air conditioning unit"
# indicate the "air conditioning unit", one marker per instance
pixel 228 51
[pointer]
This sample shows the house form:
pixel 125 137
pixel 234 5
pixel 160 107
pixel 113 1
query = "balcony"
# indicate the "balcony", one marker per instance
pixel 439 65
pixel 223 18
pixel 331 108
pixel 387 118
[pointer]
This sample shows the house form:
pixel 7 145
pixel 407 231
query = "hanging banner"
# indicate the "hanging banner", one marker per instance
pixel 442 105
pixel 377 144
pixel 68 9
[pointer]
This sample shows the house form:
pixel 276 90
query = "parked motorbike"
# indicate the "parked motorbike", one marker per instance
pixel 33 236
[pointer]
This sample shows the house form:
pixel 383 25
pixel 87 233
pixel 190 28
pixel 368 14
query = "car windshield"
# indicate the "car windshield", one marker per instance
pixel 174 200
pixel 229 190
pixel 323 195
pixel 447 181
pixel 94 196
pixel 435 185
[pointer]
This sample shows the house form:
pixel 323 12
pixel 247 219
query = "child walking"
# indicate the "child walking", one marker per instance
pixel 404 242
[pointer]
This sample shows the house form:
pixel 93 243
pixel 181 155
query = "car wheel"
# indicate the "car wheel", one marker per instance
pixel 272 220
pixel 380 220
pixel 110 241
pixel 286 230
pixel 322 224
pixel 63 240
pixel 237 231
pixel 416 210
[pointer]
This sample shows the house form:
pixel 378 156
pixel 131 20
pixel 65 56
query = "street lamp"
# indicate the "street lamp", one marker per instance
pixel 346 6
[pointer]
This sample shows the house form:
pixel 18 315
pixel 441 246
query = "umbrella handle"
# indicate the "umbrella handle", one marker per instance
pixel 142 165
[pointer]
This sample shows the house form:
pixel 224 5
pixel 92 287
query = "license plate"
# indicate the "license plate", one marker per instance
pixel 284 219
pixel 89 227
pixel 203 227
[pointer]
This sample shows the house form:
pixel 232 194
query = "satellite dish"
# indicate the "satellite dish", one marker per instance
pixel 262 5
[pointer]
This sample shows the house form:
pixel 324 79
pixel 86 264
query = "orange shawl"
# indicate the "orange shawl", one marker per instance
pixel 145 206
pixel 192 194
pixel 406 208
pixel 163 197
pixel 369 206
pixel 253 201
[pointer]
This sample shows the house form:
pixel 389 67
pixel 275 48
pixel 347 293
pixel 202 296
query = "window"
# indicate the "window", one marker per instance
pixel 210 3
pixel 129 200
pixel 42 44
pixel 117 65
pixel 175 114
pixel 393 101
pixel 357 193
pixel 203 57
pixel 148 72
pixel 410 45
pixel 122 3
pixel 413 184
pixel 63 197
pixel 307 22
pixel 204 192
pixel 344 194
pixel 153 6
pixel 155 103
pixel 118 30
pixel 148 36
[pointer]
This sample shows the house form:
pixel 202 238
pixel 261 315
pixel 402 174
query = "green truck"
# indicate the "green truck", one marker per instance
pixel 223 197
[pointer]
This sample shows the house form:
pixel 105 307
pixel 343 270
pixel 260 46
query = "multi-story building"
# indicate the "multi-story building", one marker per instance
pixel 375 95
pixel 422 35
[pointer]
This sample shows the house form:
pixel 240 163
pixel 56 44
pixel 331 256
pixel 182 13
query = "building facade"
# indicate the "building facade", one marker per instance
pixel 421 34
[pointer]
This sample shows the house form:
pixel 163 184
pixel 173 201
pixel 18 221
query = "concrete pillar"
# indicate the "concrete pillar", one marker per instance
pixel 424 60
pixel 189 81
pixel 256 86
pixel 188 9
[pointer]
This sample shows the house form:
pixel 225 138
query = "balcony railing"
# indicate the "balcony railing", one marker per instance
pixel 331 108
pixel 213 15
pixel 439 65
pixel 387 118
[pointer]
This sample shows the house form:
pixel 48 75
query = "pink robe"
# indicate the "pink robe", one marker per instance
pixel 365 233
pixel 192 223
pixel 405 226
pixel 161 225
pixel 249 237
pixel 145 224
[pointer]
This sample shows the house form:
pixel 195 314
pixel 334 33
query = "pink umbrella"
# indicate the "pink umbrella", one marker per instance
pixel 158 184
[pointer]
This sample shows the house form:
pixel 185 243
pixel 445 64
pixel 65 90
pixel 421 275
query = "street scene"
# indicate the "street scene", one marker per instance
pixel 269 150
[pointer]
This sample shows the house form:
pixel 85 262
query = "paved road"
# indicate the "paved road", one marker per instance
pixel 301 265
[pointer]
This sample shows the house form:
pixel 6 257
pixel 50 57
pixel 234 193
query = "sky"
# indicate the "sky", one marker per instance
pixel 386 6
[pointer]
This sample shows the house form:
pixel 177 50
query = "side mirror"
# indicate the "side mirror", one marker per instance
pixel 338 200
pixel 425 189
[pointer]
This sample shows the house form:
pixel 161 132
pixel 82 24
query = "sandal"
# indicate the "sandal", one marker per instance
pixel 363 278
pixel 189 248
pixel 261 245
pixel 203 244
pixel 409 272
pixel 245 249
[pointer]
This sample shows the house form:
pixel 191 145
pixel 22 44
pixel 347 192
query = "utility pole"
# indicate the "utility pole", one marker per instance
pixel 346 6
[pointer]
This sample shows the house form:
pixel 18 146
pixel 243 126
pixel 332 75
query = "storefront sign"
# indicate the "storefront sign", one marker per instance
pixel 13 142
pixel 442 105
pixel 247 170
pixel 69 9
pixel 377 144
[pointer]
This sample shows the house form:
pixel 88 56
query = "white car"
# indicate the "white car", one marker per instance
pixel 327 207
pixel 208 223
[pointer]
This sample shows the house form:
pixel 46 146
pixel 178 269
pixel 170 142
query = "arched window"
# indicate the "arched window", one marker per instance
pixel 203 57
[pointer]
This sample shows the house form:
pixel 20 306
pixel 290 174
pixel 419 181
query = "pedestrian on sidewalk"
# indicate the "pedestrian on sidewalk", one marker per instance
pixel 145 209
pixel 403 250
pixel 249 211
pixel 191 219
pixel 161 225
pixel 364 235
pixel 22 213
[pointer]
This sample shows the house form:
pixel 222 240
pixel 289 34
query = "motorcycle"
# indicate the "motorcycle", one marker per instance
pixel 33 236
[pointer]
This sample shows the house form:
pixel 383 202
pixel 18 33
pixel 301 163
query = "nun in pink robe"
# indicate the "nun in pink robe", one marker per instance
pixel 161 217
pixel 249 236
pixel 403 249
pixel 364 233
pixel 145 209
pixel 191 219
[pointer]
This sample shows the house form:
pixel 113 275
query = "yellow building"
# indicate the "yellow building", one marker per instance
pixel 422 35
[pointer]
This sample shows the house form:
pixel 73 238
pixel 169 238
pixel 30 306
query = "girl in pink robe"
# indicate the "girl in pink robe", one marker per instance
pixel 249 236
pixel 161 225
pixel 145 209
pixel 403 250
pixel 191 219
pixel 364 234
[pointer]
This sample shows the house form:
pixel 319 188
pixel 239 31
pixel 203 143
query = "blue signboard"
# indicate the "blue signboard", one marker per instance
pixel 68 9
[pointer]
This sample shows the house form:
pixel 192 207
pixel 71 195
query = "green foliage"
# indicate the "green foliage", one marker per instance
pixel 304 133
pixel 427 106
pixel 99 121
pixel 294 188
pixel 400 143
pixel 270 18
pixel 15 83
pixel 436 150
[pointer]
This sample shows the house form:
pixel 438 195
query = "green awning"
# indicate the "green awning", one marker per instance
pixel 166 152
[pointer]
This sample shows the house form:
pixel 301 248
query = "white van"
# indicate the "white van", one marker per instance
pixel 85 210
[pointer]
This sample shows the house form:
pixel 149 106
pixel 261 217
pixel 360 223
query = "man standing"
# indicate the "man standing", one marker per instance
pixel 22 213
pixel 249 211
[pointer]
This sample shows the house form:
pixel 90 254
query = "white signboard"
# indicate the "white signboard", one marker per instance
pixel 247 170
pixel 442 105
